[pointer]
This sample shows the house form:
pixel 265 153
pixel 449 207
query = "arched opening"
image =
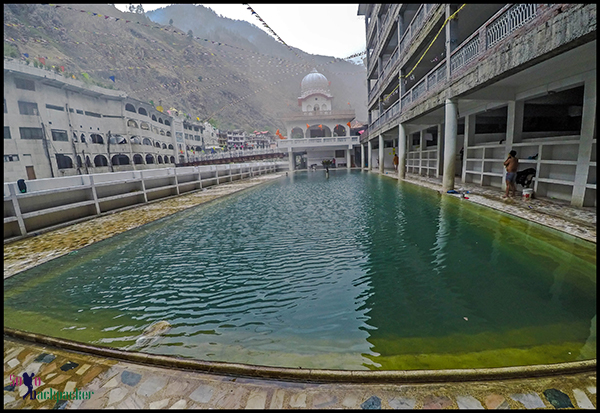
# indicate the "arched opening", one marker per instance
pixel 166 159
pixel 297 133
pixel 120 160
pixel 63 161
pixel 164 146
pixel 159 158
pixel 316 108
pixel 149 159
pixel 130 108
pixel 79 163
pixel 171 146
pixel 172 158
pixel 132 124
pixel 136 140
pixel 157 144
pixel 168 134
pixel 82 137
pixel 100 160
pixel 160 120
pixel 142 111
pixel 147 141
pixel 162 132
pixel 154 118
pixel 167 123
pixel 117 140
pixel 318 132
pixel 96 138
pixel 339 130
pixel 137 159
pixel 144 126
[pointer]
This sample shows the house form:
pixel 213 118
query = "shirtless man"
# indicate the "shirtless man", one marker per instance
pixel 512 164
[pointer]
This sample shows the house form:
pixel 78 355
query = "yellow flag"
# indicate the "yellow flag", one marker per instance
pixel 159 108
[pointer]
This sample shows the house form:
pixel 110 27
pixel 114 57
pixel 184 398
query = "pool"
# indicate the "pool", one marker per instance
pixel 354 272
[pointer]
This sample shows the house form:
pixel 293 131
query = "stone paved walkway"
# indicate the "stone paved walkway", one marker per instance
pixel 123 385
pixel 118 384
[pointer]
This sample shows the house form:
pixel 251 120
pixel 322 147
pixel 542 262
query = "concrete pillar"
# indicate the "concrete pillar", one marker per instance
pixel 469 140
pixel 381 154
pixel 439 152
pixel 362 156
pixel 370 153
pixel 348 159
pixel 402 151
pixel 514 128
pixel 291 158
pixel 588 123
pixel 450 144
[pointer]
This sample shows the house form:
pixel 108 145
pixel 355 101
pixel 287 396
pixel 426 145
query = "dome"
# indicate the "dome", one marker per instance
pixel 314 82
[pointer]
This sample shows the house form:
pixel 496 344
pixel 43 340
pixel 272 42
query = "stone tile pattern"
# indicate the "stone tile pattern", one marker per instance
pixel 120 385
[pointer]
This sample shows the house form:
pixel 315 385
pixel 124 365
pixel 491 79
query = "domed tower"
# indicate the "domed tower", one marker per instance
pixel 314 93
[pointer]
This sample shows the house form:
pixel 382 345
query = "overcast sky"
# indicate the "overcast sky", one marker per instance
pixel 323 29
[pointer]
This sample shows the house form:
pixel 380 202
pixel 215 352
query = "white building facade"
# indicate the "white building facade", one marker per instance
pixel 318 132
pixel 485 79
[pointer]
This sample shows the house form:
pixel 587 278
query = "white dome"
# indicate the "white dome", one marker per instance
pixel 314 82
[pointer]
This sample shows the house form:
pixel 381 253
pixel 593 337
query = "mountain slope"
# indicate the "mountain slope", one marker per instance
pixel 230 71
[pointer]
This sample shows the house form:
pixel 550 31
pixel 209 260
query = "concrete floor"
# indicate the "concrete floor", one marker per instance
pixel 121 384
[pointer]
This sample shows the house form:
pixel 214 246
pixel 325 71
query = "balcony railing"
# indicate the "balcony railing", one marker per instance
pixel 329 141
pixel 504 22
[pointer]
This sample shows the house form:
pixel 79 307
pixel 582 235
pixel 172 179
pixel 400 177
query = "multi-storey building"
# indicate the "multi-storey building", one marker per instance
pixel 56 126
pixel 455 87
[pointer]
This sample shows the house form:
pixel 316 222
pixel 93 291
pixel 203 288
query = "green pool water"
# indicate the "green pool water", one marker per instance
pixel 355 271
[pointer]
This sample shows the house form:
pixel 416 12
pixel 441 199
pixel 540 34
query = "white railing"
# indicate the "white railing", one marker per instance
pixel 515 17
pixel 489 34
pixel 329 141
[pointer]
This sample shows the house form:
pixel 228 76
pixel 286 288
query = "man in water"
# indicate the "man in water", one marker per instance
pixel 512 164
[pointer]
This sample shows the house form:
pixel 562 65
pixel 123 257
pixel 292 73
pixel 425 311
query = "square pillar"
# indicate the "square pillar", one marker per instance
pixel 362 156
pixel 370 153
pixel 348 159
pixel 588 123
pixel 401 151
pixel 381 154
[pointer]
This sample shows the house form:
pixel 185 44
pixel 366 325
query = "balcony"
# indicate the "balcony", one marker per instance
pixel 504 22
pixel 321 115
pixel 317 142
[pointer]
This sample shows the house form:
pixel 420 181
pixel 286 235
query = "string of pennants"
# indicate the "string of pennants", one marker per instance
pixel 112 77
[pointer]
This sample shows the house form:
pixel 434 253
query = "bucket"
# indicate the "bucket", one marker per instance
pixel 527 194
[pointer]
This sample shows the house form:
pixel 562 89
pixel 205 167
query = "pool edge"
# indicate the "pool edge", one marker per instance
pixel 312 375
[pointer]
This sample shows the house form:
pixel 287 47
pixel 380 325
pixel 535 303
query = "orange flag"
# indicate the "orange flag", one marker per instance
pixel 277 133
pixel 307 125
pixel 348 124
pixel 321 126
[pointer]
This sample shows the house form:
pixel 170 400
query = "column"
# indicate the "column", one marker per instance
pixel 348 160
pixel 438 153
pixel 362 156
pixel 381 154
pixel 450 144
pixel 588 122
pixel 469 140
pixel 514 128
pixel 291 158
pixel 370 153
pixel 401 151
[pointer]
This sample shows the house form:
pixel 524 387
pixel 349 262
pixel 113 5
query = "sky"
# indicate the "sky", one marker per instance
pixel 322 29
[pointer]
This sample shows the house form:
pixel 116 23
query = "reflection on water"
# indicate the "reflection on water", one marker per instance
pixel 354 271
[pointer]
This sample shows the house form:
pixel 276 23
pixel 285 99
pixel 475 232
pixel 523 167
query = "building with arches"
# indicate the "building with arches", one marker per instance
pixel 318 132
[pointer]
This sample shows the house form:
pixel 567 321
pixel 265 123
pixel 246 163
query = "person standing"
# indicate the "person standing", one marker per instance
pixel 396 162
pixel 511 164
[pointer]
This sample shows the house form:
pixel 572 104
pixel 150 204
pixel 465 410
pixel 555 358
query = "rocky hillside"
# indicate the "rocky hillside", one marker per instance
pixel 228 71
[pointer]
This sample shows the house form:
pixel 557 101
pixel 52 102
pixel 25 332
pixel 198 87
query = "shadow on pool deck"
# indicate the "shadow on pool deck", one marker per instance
pixel 124 384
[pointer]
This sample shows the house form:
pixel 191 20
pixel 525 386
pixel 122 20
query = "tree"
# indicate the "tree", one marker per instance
pixel 190 33
pixel 131 8
pixel 139 9
pixel 171 22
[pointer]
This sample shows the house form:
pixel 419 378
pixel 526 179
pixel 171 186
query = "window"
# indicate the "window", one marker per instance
pixel 167 123
pixel 120 160
pixel 130 108
pixel 7 132
pixel 157 144
pixel 28 108
pixel 100 160
pixel 142 111
pixel 31 133
pixel 79 165
pixel 79 112
pixel 164 146
pixel 54 107
pixel 137 159
pixel 159 158
pixel 132 123
pixel 154 118
pixel 11 158
pixel 147 141
pixel 171 146
pixel 162 132
pixel 168 133
pixel 136 140
pixel 93 114
pixel 149 159
pixel 144 126
pixel 25 84
pixel 59 135
pixel 63 161
pixel 160 120
pixel 196 128
pixel 82 138
pixel 96 138
pixel 70 110
pixel 172 159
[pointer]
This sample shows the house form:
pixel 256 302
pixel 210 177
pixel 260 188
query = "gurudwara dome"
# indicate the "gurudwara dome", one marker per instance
pixel 314 82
